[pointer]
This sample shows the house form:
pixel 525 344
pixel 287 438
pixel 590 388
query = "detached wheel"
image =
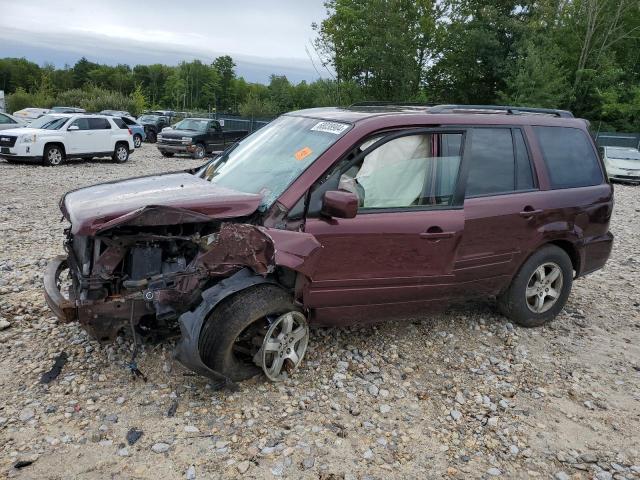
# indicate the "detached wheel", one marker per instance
pixel 53 156
pixel 121 153
pixel 167 154
pixel 256 329
pixel 540 289
pixel 199 152
pixel 137 140
pixel 151 136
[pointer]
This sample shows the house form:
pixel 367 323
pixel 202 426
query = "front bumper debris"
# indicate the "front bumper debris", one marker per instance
pixel 63 308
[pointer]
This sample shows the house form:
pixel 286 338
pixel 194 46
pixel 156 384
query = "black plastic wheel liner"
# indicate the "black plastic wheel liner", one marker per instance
pixel 187 351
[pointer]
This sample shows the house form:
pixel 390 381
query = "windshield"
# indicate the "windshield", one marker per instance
pixel 623 153
pixel 269 160
pixel 192 124
pixel 148 118
pixel 49 122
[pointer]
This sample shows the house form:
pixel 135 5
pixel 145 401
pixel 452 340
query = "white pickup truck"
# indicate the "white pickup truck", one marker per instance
pixel 53 138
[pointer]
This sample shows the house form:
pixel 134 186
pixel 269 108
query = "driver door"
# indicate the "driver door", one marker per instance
pixel 81 140
pixel 397 254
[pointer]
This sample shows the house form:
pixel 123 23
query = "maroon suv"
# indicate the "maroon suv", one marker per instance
pixel 337 216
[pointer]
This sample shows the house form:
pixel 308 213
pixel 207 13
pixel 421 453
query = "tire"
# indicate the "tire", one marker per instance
pixel 527 301
pixel 121 153
pixel 152 137
pixel 53 155
pixel 167 154
pixel 199 152
pixel 230 319
pixel 137 140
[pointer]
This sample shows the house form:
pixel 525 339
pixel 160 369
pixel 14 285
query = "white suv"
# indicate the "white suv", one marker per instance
pixel 55 137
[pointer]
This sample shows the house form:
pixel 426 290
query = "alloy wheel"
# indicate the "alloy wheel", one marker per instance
pixel 283 346
pixel 544 287
pixel 121 153
pixel 54 157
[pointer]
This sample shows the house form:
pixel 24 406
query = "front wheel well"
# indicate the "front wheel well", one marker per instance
pixel 57 144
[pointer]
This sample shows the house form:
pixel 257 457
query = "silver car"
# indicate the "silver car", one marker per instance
pixel 9 121
pixel 622 163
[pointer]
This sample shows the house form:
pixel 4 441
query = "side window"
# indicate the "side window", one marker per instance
pixel 127 121
pixel 524 175
pixel 406 172
pixel 120 123
pixel 81 123
pixel 569 157
pixel 5 120
pixel 492 162
pixel 99 124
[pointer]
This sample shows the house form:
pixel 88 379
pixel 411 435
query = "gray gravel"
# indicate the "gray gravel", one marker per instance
pixel 461 394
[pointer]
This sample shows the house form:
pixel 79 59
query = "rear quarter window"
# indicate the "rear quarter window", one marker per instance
pixel 120 123
pixel 569 157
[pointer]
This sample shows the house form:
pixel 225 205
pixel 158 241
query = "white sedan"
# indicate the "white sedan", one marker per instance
pixel 622 163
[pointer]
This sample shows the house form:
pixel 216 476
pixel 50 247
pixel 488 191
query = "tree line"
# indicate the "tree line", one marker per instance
pixel 581 55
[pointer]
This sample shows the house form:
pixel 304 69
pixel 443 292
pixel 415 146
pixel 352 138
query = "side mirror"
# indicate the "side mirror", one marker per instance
pixel 339 204
pixel 73 127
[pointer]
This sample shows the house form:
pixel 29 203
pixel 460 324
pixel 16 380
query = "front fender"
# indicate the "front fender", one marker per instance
pixel 187 351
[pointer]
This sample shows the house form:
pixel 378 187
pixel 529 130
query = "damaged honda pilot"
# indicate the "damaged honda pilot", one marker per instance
pixel 337 216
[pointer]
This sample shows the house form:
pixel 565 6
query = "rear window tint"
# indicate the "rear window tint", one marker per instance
pixel 524 176
pixel 492 168
pixel 99 124
pixel 569 156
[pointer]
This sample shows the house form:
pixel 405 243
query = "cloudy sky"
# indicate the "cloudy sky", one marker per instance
pixel 263 36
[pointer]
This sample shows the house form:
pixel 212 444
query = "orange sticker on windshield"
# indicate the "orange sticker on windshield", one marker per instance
pixel 303 153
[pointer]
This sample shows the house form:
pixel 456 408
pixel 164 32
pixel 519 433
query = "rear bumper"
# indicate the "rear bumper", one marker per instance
pixel 59 305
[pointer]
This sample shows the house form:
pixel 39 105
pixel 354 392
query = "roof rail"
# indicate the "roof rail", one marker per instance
pixel 509 110
pixel 375 103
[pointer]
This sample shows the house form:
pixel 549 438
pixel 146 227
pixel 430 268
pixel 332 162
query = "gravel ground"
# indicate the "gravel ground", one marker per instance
pixel 463 394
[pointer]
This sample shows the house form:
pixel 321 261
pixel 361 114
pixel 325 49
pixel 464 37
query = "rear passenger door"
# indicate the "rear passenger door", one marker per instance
pixel 501 209
pixel 102 140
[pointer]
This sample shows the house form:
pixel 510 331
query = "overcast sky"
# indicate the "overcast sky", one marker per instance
pixel 263 36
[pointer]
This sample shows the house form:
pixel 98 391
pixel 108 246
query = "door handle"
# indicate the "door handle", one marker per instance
pixel 529 211
pixel 436 233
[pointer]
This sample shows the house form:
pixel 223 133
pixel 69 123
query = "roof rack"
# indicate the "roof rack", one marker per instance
pixel 375 103
pixel 509 110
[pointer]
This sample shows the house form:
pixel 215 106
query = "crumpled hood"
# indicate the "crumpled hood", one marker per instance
pixel 153 200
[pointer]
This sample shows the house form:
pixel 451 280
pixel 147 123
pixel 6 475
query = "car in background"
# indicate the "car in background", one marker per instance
pixel 622 163
pixel 67 110
pixel 153 124
pixel 197 137
pixel 139 135
pixel 29 114
pixel 116 113
pixel 9 121
pixel 55 137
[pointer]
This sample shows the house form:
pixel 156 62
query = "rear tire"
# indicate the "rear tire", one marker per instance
pixel 239 316
pixel 540 289
pixel 53 155
pixel 137 140
pixel 167 154
pixel 121 153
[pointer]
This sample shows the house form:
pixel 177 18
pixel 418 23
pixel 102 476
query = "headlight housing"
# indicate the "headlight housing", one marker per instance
pixel 28 139
pixel 186 140
pixel 159 136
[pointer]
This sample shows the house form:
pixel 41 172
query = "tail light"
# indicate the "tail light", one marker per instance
pixel 130 132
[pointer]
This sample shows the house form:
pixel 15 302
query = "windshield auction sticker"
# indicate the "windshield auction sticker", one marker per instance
pixel 330 127
pixel 303 153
